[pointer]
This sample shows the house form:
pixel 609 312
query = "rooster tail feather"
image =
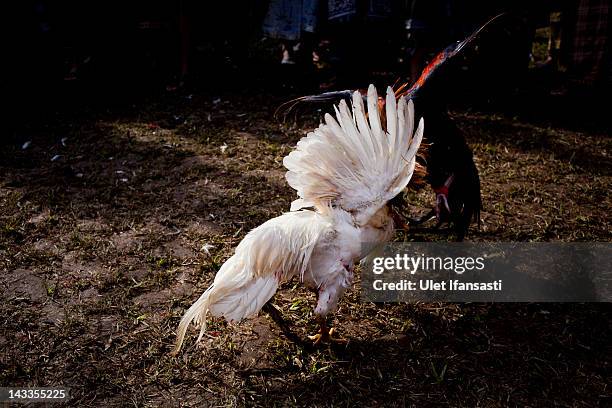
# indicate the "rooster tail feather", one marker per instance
pixel 198 312
pixel 235 295
pixel 332 96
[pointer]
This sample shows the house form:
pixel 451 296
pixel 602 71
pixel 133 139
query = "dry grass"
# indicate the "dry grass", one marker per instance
pixel 101 252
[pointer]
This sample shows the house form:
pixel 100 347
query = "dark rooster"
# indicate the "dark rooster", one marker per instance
pixel 448 160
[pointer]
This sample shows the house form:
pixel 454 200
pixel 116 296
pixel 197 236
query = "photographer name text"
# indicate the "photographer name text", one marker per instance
pixel 432 285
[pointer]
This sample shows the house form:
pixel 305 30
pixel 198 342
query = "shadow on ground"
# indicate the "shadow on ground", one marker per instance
pixel 113 222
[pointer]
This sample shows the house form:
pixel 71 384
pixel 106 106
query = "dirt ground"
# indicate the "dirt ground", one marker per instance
pixel 112 222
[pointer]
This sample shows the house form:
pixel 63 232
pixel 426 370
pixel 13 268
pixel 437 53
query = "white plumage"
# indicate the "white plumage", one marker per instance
pixel 344 172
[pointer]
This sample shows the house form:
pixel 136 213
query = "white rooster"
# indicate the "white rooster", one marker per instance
pixel 345 172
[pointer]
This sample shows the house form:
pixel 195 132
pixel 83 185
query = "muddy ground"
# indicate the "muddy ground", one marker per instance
pixel 104 247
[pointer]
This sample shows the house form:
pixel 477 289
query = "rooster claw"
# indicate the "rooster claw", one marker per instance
pixel 418 221
pixel 327 337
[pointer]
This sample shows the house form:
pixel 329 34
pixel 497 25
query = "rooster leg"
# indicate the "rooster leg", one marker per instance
pixel 338 278
pixel 325 334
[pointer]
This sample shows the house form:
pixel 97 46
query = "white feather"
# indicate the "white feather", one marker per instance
pixel 349 164
pixel 270 254
pixel 347 170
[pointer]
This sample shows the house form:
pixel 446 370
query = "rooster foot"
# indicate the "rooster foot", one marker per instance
pixel 418 221
pixel 327 337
